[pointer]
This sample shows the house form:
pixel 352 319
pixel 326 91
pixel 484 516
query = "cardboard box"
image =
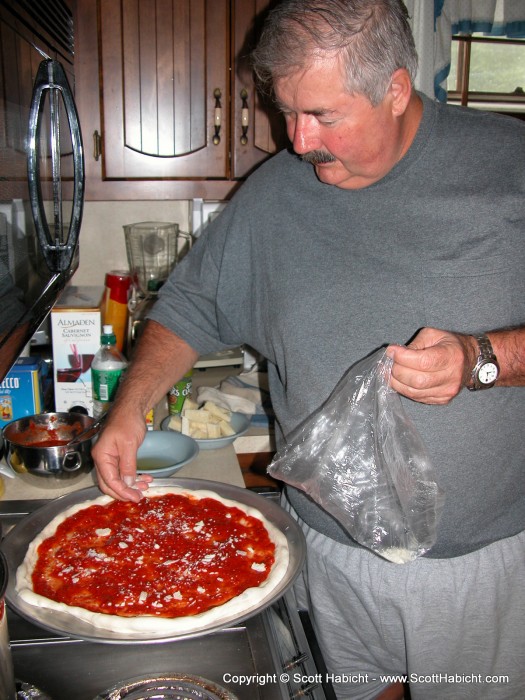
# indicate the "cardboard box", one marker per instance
pixel 75 331
pixel 21 390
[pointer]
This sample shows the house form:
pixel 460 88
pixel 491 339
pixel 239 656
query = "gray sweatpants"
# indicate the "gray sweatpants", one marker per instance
pixel 455 627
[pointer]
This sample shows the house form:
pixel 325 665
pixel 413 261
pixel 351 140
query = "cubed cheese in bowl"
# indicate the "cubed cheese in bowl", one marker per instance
pixel 211 426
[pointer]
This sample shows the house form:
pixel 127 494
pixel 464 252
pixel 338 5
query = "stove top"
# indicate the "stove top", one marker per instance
pixel 271 656
pixel 267 657
pixel 181 687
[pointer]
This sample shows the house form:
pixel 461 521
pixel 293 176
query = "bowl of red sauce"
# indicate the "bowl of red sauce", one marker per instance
pixel 38 444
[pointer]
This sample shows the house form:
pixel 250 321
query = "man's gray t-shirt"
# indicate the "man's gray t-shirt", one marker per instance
pixel 316 277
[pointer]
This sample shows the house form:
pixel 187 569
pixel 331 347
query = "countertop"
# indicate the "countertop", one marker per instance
pixel 216 465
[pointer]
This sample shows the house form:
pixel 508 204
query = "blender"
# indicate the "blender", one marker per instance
pixel 153 249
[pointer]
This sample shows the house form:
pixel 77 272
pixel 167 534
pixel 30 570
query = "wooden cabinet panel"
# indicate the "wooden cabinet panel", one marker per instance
pixel 15 99
pixel 147 73
pixel 159 73
pixel 264 130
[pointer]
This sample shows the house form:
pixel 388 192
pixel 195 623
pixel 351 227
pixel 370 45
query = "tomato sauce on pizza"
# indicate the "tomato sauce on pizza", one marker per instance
pixel 168 556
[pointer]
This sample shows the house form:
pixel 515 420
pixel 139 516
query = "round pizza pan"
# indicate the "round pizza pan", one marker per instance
pixel 17 541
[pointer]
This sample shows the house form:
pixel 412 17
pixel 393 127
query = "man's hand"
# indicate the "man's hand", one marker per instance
pixel 434 367
pixel 115 456
pixel 159 360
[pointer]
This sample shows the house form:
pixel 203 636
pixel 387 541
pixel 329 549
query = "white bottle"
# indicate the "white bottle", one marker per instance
pixel 107 368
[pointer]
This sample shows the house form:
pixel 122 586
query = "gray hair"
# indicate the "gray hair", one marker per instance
pixel 373 38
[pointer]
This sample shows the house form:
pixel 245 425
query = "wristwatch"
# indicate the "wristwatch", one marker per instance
pixel 486 369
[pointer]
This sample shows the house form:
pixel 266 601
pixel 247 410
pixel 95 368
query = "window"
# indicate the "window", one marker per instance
pixel 488 72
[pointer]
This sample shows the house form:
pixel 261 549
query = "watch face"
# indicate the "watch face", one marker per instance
pixel 488 373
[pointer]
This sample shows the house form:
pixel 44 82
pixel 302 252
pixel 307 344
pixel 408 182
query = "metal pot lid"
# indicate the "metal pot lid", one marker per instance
pixel 178 687
pixel 18 539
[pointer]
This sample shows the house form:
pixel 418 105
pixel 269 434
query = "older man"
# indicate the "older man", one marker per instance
pixel 393 219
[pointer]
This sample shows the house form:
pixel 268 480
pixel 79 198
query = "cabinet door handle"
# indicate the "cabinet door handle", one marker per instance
pixel 97 146
pixel 217 119
pixel 245 117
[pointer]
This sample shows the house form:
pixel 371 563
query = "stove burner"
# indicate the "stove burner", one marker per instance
pixel 181 687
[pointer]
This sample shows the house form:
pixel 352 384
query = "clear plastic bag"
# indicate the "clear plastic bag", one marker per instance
pixel 361 458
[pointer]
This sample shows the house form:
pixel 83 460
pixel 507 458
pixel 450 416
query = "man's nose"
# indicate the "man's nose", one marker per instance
pixel 304 136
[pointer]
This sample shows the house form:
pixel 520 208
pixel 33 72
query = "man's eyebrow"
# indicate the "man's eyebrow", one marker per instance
pixel 320 112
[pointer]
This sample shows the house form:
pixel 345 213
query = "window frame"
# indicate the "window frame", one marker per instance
pixel 505 103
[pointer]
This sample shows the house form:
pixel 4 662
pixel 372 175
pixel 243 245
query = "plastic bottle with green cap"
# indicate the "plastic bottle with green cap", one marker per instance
pixel 107 368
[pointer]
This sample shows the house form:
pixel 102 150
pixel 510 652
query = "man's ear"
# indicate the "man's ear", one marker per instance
pixel 400 91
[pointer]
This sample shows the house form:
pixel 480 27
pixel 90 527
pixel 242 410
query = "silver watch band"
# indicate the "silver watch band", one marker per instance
pixel 486 357
pixel 486 351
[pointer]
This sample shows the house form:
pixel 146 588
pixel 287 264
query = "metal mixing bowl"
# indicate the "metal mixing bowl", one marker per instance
pixel 38 444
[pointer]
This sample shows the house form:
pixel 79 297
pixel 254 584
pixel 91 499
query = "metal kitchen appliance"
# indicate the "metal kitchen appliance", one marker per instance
pixel 271 656
pixel 41 167
pixel 275 649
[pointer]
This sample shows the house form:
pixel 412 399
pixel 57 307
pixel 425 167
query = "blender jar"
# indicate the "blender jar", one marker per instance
pixel 152 252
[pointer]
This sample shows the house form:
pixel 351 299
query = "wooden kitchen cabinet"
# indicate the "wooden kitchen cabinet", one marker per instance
pixel 264 131
pixel 166 99
pixel 159 76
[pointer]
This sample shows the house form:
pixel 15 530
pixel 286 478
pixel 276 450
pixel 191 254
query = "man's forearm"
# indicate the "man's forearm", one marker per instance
pixel 509 348
pixel 160 359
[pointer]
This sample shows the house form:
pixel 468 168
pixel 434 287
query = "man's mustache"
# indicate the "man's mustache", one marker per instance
pixel 318 157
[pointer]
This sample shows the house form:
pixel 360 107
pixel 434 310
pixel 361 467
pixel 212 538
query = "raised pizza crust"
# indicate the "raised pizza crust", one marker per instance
pixel 145 624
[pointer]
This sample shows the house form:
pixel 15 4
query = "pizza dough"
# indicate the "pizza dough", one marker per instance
pixel 145 624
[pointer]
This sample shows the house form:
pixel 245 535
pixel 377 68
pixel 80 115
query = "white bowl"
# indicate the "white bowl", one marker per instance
pixel 240 422
pixel 164 453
